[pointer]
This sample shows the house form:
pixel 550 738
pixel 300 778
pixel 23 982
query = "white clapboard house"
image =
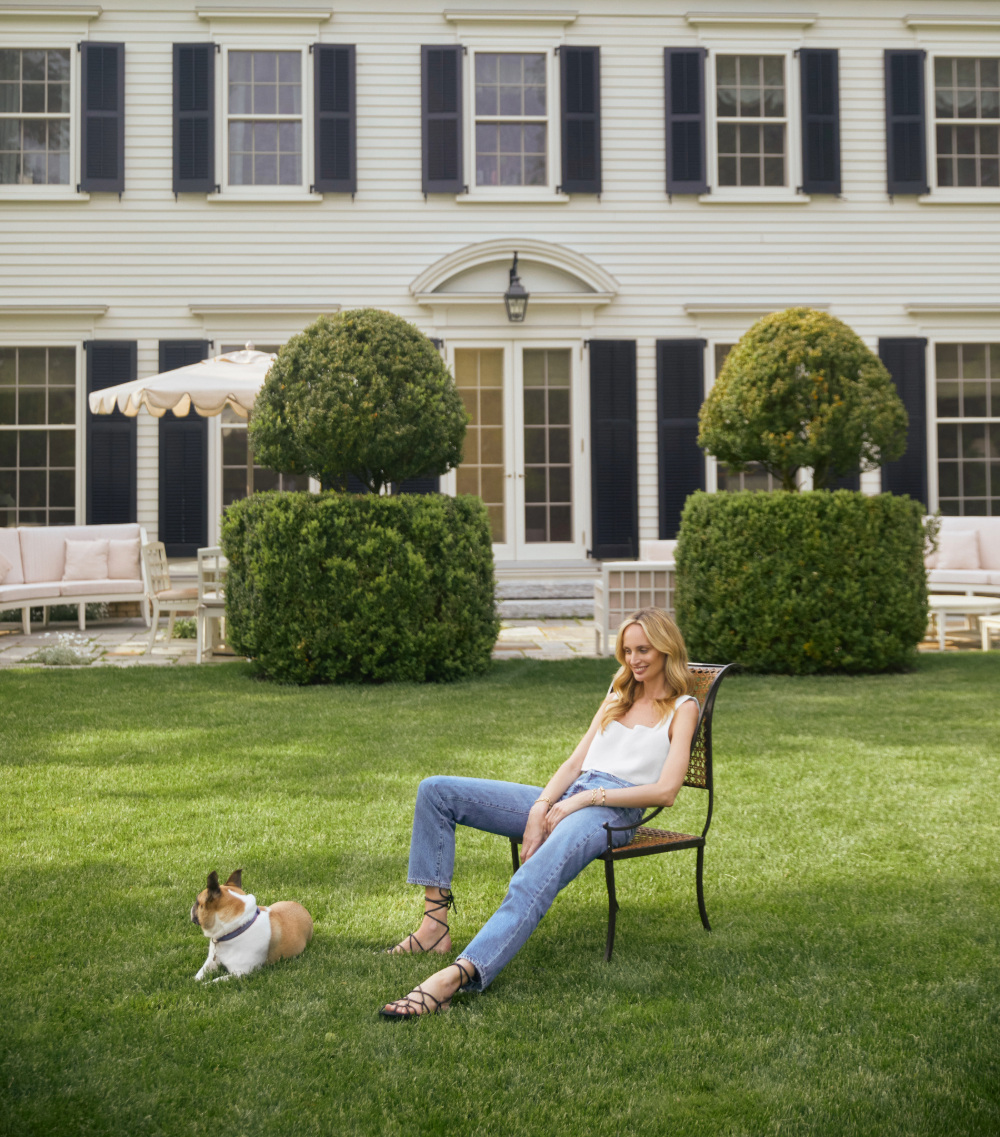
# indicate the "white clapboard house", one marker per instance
pixel 179 177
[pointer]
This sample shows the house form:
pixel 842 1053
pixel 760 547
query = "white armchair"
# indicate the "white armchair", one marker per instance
pixel 161 595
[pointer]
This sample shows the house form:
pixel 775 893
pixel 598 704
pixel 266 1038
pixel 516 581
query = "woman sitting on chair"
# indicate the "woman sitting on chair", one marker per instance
pixel 634 756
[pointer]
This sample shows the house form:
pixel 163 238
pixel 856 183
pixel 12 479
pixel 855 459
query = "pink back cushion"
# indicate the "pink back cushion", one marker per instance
pixel 43 550
pixel 123 559
pixel 86 560
pixel 11 549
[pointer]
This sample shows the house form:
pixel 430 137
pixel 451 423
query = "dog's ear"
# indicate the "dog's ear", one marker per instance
pixel 236 878
pixel 213 884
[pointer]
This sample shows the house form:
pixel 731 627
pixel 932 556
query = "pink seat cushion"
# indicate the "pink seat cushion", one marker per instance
pixel 105 587
pixel 9 593
pixel 178 594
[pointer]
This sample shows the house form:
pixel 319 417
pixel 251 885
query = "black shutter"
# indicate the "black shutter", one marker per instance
pixel 906 361
pixel 819 74
pixel 183 516
pixel 847 482
pixel 429 484
pixel 194 118
pixel 103 126
pixel 684 70
pixel 580 68
pixel 680 384
pixel 110 438
pixel 336 119
pixel 614 478
pixel 905 128
pixel 441 102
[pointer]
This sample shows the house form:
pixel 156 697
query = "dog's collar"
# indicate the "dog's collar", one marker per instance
pixel 239 931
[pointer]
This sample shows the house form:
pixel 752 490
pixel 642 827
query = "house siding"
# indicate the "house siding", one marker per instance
pixel 149 255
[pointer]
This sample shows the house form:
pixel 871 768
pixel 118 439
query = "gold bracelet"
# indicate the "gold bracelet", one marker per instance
pixel 604 796
pixel 593 796
pixel 538 799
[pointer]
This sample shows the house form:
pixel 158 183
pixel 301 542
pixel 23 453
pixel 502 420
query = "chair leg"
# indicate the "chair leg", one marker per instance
pixel 699 875
pixel 170 625
pixel 26 621
pixel 515 860
pixel 609 877
pixel 81 616
pixel 199 634
pixel 154 623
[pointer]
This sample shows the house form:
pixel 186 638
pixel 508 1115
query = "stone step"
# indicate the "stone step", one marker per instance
pixel 545 590
pixel 540 609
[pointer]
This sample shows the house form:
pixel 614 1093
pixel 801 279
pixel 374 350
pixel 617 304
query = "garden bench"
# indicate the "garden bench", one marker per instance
pixel 648 841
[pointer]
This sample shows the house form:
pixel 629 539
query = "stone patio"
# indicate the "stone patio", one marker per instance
pixel 122 643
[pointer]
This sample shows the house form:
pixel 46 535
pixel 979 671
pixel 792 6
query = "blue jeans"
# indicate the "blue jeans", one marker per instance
pixel 502 807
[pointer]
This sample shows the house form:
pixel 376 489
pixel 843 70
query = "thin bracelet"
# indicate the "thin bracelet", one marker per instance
pixel 593 796
pixel 604 796
pixel 538 799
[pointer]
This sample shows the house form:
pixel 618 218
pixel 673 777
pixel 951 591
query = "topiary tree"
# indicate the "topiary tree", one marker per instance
pixel 801 389
pixel 361 393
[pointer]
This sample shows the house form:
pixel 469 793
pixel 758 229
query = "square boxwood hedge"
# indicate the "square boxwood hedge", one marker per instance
pixel 801 583
pixel 335 587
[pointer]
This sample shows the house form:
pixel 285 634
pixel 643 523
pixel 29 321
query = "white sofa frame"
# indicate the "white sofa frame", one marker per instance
pixel 626 586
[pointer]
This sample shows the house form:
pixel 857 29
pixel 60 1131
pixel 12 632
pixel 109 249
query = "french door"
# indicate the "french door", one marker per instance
pixel 525 445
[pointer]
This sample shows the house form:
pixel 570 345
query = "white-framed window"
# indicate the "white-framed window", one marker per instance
pixel 266 112
pixel 38 435
pixel 966 121
pixel 755 477
pixel 513 133
pixel 967 406
pixel 37 114
pixel 753 124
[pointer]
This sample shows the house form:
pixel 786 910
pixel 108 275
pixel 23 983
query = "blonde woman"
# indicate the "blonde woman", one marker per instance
pixel 634 756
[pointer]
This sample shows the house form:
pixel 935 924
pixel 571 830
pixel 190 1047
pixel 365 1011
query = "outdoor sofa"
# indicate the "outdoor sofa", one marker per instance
pixel 70 564
pixel 968 557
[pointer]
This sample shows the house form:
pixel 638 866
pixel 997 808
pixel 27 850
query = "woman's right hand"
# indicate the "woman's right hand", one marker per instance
pixel 534 832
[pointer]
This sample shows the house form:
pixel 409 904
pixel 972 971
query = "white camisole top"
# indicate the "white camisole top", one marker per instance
pixel 635 754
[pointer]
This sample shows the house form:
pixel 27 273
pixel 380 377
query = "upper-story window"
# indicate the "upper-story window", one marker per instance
pixel 751 120
pixel 511 120
pixel 967 121
pixel 264 118
pixel 35 116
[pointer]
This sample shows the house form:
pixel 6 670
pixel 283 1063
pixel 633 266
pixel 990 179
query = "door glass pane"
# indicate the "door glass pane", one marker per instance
pixel 479 378
pixel 548 511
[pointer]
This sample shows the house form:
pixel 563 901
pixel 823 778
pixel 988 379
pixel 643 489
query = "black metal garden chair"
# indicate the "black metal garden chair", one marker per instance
pixel 648 841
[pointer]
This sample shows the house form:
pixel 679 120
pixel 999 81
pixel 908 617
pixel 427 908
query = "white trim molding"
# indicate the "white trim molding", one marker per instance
pixel 53 310
pixel 953 21
pixel 508 16
pixel 319 15
pixel 712 309
pixel 947 309
pixel 263 309
pixel 51 12
pixel 769 19
pixel 597 281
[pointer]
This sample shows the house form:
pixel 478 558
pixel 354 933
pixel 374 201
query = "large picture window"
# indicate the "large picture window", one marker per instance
pixel 37 436
pixel 34 116
pixel 751 120
pixel 264 118
pixel 968 428
pixel 511 120
pixel 967 121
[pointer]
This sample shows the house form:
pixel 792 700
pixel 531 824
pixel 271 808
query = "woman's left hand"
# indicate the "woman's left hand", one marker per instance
pixel 563 809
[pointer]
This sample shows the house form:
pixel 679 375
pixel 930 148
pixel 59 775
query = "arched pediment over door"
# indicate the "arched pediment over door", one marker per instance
pixel 469 283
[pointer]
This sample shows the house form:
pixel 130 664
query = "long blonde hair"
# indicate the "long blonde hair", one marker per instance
pixel 665 636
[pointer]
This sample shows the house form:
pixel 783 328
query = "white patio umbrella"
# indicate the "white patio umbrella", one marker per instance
pixel 230 380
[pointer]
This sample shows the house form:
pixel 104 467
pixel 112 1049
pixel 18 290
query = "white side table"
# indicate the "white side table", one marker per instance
pixel 988 624
pixel 944 605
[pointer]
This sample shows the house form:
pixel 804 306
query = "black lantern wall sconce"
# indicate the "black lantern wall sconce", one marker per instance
pixel 516 297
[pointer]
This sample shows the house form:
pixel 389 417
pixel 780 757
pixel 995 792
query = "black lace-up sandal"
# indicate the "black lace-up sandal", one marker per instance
pixel 413 945
pixel 420 1002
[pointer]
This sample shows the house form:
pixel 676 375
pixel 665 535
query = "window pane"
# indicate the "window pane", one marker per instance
pixel 289 67
pixel 265 67
pixel 240 98
pixel 32 66
pixel 31 366
pixel 62 448
pixel 726 101
pixel 33 98
pixel 33 448
pixel 725 70
pixel 947 400
pixel 749 171
pixel 8 448
pixel 58 66
pixel 10 98
pixel 265 137
pixel 974 361
pixel 62 405
pixel 10 63
pixel 265 99
pixel 62 488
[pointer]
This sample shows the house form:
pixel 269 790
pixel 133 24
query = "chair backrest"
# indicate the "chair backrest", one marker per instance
pixel 212 566
pixel 156 571
pixel 707 677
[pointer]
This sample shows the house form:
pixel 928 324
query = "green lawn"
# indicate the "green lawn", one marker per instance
pixel 850 985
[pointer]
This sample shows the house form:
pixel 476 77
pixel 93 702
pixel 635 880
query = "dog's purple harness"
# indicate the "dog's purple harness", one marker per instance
pixel 239 931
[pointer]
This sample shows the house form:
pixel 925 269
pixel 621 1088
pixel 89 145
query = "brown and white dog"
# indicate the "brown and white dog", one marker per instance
pixel 244 935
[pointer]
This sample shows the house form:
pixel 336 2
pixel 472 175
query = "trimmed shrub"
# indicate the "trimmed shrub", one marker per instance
pixel 802 583
pixel 802 389
pixel 341 588
pixel 362 393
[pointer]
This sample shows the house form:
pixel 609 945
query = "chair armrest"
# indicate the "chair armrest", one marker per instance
pixel 642 821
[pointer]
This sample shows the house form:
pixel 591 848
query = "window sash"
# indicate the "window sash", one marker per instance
pixel 69 116
pixel 967 446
